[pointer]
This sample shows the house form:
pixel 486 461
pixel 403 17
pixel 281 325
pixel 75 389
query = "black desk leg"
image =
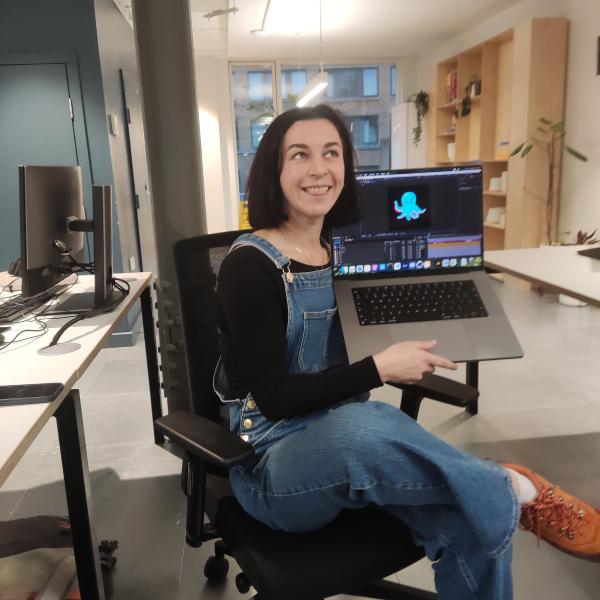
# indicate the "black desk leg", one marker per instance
pixel 473 381
pixel 152 361
pixel 79 497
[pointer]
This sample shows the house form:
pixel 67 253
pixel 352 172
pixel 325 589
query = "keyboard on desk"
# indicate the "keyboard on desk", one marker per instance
pixel 16 307
pixel 410 302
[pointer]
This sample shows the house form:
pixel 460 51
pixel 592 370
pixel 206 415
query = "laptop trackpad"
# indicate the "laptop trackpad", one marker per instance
pixel 453 342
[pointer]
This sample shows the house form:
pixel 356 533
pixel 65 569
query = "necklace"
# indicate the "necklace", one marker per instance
pixel 301 252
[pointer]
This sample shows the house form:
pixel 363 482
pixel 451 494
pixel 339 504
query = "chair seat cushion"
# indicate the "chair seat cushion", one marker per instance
pixel 360 546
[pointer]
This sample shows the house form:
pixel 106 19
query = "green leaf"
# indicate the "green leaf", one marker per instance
pixel 517 149
pixel 526 151
pixel 577 155
pixel 545 121
pixel 557 127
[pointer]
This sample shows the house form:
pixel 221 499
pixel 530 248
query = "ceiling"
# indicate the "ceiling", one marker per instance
pixel 351 28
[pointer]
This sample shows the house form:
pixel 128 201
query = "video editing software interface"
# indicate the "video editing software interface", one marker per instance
pixel 413 222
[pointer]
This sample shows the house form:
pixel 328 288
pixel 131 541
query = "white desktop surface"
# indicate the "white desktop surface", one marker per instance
pixel 557 267
pixel 20 363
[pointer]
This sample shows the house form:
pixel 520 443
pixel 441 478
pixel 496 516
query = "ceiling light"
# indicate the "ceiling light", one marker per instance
pixel 316 85
pixel 220 12
pixel 262 32
pixel 313 88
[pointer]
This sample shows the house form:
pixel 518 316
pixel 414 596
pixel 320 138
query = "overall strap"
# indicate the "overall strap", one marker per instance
pixel 249 239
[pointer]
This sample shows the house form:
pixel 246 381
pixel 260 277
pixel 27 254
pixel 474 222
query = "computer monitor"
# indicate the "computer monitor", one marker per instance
pixel 49 197
pixel 52 234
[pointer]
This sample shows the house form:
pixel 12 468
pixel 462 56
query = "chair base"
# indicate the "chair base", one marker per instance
pixel 384 590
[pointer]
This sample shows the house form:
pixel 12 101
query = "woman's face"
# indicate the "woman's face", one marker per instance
pixel 312 173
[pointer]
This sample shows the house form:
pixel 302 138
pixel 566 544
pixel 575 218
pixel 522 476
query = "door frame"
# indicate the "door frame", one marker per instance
pixel 69 59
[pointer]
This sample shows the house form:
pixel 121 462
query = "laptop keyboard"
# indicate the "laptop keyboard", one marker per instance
pixel 410 302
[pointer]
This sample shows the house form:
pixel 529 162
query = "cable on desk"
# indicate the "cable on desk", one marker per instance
pixel 95 311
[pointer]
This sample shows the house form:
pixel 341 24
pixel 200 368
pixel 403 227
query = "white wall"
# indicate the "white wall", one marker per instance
pixel 219 172
pixel 580 190
pixel 580 193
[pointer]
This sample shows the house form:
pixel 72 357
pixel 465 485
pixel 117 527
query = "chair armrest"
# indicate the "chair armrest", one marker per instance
pixel 205 439
pixel 442 389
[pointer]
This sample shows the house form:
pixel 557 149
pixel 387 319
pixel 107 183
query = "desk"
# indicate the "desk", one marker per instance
pixel 558 268
pixel 22 364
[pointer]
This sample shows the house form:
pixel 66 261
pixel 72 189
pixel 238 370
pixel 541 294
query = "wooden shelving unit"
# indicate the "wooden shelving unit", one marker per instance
pixel 522 74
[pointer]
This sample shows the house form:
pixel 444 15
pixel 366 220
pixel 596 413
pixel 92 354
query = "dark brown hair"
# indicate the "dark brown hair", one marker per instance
pixel 264 193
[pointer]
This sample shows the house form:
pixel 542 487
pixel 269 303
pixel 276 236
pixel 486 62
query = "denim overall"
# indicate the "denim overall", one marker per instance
pixel 461 509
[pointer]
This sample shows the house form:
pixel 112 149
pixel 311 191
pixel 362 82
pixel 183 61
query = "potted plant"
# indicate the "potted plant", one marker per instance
pixel 550 141
pixel 421 102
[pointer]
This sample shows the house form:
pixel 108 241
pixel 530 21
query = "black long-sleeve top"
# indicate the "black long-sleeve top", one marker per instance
pixel 253 319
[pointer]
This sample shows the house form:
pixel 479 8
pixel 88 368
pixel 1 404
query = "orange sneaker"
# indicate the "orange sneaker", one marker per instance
pixel 563 520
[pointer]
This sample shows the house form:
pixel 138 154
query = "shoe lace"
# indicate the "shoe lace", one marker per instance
pixel 549 510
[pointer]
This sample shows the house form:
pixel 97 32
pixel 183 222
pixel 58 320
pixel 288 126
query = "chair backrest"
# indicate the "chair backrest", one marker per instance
pixel 197 263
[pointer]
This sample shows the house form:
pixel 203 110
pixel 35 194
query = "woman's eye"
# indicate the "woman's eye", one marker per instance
pixel 298 155
pixel 332 153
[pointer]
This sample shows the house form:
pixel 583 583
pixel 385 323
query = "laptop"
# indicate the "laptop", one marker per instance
pixel 412 267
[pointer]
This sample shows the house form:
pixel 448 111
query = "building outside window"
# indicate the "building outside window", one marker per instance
pixel 357 82
pixel 364 130
pixel 254 108
pixel 293 81
pixel 260 86
pixel 364 95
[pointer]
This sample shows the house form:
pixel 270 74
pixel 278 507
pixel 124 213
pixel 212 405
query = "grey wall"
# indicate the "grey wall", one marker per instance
pixel 43 26
pixel 117 51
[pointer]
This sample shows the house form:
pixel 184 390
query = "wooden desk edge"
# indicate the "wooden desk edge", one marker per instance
pixel 542 283
pixel 17 454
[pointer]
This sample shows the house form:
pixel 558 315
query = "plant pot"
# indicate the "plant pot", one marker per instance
pixel 568 301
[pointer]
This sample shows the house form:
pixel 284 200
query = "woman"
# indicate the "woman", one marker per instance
pixel 321 444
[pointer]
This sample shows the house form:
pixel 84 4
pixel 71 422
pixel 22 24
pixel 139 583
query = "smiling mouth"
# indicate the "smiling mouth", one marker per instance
pixel 317 189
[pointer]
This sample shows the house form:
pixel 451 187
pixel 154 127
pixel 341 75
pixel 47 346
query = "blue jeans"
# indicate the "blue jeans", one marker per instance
pixel 461 509
pixel 372 453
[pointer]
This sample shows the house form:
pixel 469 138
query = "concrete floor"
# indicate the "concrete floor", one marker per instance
pixel 542 410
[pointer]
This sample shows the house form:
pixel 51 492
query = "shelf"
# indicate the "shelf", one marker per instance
pixel 447 134
pixel 499 194
pixel 495 160
pixel 457 103
pixel 450 105
pixel 493 225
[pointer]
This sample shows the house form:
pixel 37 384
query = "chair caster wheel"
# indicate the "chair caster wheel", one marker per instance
pixel 216 569
pixel 242 583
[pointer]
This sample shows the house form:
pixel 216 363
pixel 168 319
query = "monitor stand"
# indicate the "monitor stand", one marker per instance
pixel 592 253
pixel 101 225
pixel 77 303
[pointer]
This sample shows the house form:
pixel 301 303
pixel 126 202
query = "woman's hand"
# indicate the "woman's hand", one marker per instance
pixel 406 362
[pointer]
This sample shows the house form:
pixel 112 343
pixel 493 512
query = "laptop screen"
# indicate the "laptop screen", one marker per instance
pixel 413 222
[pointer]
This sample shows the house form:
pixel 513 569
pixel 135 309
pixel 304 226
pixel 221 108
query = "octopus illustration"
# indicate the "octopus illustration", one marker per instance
pixel 409 210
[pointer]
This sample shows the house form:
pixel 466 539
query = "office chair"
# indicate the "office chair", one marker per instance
pixel 352 554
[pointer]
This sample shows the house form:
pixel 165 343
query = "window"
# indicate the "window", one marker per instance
pixel 260 86
pixel 292 83
pixel 361 92
pixel 354 82
pixel 364 130
pixel 393 80
pixel 257 130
